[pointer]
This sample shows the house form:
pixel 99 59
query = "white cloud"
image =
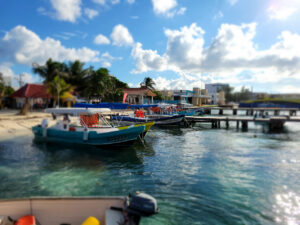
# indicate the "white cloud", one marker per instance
pixel 289 89
pixel 167 8
pixel 101 40
pixel 91 13
pixel 114 2
pixel 42 11
pixel 218 15
pixel 106 59
pixel 7 72
pixel 121 36
pixel 67 10
pixel 232 2
pixel 232 56
pixel 181 11
pixel 130 1
pixel 147 59
pixel 281 10
pixel 28 78
pixel 101 2
pixel 185 46
pixel 183 82
pixel 23 46
pixel 105 2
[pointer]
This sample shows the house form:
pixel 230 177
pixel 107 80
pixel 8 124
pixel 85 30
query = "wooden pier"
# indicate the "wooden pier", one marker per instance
pixel 275 123
pixel 251 111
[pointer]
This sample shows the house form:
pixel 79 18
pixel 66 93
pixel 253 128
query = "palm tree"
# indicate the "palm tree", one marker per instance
pixel 57 88
pixel 98 83
pixel 50 70
pixel 76 75
pixel 148 82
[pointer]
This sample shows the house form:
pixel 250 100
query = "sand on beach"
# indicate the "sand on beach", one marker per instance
pixel 13 125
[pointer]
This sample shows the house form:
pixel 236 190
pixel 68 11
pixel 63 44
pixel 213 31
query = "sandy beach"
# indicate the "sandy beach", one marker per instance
pixel 13 125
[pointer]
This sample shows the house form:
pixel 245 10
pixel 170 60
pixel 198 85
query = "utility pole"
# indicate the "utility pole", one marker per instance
pixel 20 80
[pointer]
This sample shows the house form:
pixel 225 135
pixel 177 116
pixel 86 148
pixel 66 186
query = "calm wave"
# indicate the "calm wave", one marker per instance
pixel 199 175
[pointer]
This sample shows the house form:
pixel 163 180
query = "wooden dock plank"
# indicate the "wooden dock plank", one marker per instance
pixel 241 118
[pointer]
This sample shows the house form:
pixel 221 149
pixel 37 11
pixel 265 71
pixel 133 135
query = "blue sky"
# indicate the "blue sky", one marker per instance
pixel 179 43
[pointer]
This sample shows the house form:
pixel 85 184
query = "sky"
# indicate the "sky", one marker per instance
pixel 180 44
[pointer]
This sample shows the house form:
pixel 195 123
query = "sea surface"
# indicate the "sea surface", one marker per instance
pixel 198 175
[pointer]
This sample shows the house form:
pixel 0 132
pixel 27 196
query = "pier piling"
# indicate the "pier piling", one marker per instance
pixel 244 125
pixel 227 123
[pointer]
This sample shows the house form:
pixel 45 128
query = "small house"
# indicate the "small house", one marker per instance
pixel 142 95
pixel 36 93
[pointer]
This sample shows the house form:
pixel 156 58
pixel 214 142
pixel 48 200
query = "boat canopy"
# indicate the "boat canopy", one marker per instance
pixel 76 111
pixel 144 106
pixel 102 105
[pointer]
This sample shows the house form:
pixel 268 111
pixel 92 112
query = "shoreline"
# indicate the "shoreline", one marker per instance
pixel 13 125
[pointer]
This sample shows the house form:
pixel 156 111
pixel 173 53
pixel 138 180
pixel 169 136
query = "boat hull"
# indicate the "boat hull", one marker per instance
pixel 147 125
pixel 113 138
pixel 159 120
pixel 61 210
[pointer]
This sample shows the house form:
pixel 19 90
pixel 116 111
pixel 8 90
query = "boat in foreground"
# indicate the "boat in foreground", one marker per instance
pixel 77 210
pixel 90 128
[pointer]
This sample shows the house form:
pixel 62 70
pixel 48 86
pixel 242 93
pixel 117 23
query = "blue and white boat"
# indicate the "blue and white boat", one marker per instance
pixel 160 120
pixel 89 128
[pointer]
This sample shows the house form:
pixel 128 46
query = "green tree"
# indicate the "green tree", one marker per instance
pixel 76 75
pixel 159 95
pixel 243 95
pixel 98 83
pixel 115 91
pixel 148 82
pixel 50 70
pixel 8 90
pixel 57 88
pixel 229 95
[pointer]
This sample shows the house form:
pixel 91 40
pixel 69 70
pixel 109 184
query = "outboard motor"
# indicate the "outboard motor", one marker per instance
pixel 142 204
pixel 138 205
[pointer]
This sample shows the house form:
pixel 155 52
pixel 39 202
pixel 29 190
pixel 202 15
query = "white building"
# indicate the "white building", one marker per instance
pixel 214 91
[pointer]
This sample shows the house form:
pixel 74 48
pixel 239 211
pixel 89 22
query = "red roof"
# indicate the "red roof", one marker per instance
pixel 31 91
pixel 139 91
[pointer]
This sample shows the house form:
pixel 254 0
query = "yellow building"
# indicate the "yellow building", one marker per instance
pixel 200 97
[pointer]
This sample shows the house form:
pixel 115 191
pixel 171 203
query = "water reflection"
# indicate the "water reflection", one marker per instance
pixel 90 156
pixel 33 168
pixel 287 207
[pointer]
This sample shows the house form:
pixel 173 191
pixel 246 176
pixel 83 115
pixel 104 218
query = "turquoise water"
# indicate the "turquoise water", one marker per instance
pixel 199 175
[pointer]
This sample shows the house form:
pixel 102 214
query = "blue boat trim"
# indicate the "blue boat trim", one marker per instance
pixel 94 138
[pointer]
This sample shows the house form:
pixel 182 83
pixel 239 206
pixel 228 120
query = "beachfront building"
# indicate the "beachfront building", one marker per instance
pixel 167 95
pixel 216 94
pixel 183 96
pixel 35 93
pixel 142 95
pixel 200 97
pixel 197 96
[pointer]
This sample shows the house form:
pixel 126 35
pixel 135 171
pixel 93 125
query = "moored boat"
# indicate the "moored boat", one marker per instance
pixel 160 120
pixel 77 210
pixel 89 128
